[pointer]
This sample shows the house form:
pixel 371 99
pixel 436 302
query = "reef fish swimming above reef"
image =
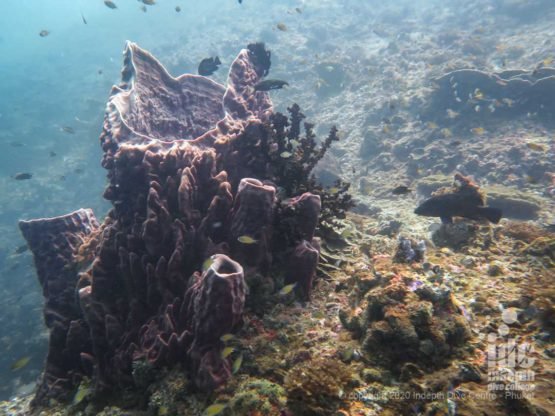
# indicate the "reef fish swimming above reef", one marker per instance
pixel 457 204
pixel 270 84
pixel 208 66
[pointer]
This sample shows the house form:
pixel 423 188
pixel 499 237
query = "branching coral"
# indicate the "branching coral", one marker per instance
pixel 278 151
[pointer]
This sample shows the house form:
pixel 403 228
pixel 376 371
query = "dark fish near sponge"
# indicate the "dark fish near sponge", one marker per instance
pixel 459 204
pixel 208 66
pixel 261 57
pixel 22 176
pixel 401 190
pixel 21 249
pixel 269 84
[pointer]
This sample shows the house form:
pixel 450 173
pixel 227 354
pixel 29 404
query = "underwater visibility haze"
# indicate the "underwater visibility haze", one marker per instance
pixel 282 208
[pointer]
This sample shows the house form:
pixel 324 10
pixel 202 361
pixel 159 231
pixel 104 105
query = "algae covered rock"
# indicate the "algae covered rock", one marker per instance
pixel 260 396
pixel 418 324
pixel 454 235
pixel 317 387
pixel 514 203
pixel 432 183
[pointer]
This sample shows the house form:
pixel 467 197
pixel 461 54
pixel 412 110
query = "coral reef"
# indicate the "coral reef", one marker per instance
pixel 278 151
pixel 410 250
pixel 511 92
pixel 409 322
pixel 194 186
pixel 455 235
pixel 317 387
pixel 258 396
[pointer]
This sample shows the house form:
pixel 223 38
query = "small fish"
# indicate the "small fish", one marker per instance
pixel 478 131
pixel 530 179
pixel 298 10
pixel 68 130
pixel 83 391
pixel 456 143
pixel 83 17
pixel 451 407
pixel 19 364
pixel 44 33
pixel 465 313
pixel 177 9
pixel 21 249
pixel 227 337
pixel 282 27
pixel 445 132
pixel 459 204
pixel 285 290
pixel 149 2
pixel 237 364
pixel 269 84
pixel 22 176
pixel 227 351
pixel 321 83
pixel 52 154
pixel 208 66
pixel 401 190
pixel 432 125
pixel 477 108
pixel 536 147
pixel 479 95
pixel 216 408
pixel 207 263
pixel 451 113
pixel 247 239
pixel 547 61
pixel 100 72
pixel 347 354
pixel 110 4
pixel 286 155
